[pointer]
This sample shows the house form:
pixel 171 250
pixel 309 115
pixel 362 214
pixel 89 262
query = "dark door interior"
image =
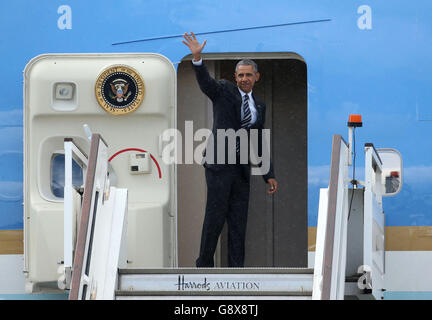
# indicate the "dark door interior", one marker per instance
pixel 277 225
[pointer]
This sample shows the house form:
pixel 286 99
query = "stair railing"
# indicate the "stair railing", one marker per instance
pixel 101 242
pixel 331 243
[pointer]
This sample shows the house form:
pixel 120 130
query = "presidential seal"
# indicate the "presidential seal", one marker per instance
pixel 119 90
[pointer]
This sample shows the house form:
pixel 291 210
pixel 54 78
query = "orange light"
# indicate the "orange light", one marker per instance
pixel 355 120
pixel 394 174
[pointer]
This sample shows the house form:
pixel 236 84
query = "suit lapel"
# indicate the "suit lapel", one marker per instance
pixel 238 104
pixel 260 110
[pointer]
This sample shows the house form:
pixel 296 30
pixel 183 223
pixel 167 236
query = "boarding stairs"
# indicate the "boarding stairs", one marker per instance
pixel 99 263
pixel 215 283
pixel 224 283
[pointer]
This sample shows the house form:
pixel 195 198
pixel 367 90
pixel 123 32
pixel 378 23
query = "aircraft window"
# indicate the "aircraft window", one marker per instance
pixel 58 176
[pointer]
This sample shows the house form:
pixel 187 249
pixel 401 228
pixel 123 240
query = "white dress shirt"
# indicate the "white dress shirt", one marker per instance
pixel 251 106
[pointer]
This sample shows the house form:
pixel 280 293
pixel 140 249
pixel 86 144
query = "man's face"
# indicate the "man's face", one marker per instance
pixel 246 77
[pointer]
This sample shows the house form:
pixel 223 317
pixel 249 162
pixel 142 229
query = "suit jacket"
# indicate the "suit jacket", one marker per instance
pixel 227 102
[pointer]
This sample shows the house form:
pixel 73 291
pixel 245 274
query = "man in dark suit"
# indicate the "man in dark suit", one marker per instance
pixel 235 107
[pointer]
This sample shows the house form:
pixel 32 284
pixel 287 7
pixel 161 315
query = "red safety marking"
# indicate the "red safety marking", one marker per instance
pixel 140 150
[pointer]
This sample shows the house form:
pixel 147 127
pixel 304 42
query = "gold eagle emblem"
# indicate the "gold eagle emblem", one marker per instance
pixel 119 89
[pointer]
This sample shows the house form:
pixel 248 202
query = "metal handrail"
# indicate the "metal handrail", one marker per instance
pixel 330 255
pixel 72 151
pixel 86 218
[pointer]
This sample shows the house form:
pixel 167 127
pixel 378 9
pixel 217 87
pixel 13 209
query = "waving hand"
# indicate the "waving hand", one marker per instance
pixel 194 46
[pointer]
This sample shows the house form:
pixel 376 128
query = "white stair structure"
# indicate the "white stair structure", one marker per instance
pixel 348 260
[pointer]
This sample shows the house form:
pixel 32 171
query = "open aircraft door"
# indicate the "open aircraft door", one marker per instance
pixel 130 99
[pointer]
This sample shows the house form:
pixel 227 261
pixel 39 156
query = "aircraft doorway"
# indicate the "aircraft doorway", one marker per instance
pixel 277 225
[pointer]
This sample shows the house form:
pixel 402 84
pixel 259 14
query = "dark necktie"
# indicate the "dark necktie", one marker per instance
pixel 246 117
pixel 246 112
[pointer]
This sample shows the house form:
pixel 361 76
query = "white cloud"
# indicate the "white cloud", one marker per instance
pixel 10 190
pixel 319 175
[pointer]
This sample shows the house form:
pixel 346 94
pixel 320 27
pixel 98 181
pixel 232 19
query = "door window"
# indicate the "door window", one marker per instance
pixel 58 175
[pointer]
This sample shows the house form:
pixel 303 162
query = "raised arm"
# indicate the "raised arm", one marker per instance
pixel 209 86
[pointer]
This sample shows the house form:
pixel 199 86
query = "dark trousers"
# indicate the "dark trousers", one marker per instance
pixel 227 200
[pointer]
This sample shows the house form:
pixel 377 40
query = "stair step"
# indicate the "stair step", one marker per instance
pixel 216 281
pixel 221 283
pixel 216 271
pixel 211 295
